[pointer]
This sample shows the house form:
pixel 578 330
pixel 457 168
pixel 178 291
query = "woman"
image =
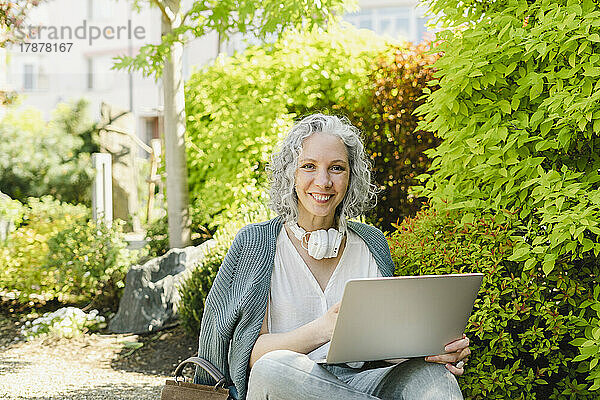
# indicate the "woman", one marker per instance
pixel 274 302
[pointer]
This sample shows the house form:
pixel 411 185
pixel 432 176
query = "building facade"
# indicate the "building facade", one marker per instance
pixel 85 35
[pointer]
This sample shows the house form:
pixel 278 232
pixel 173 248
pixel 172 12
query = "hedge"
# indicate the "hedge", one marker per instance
pixel 393 142
pixel 519 114
pixel 523 322
pixel 239 107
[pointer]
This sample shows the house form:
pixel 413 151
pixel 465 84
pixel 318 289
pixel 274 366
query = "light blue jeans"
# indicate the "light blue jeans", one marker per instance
pixel 286 375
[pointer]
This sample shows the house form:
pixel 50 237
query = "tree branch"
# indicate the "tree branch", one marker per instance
pixel 194 9
pixel 163 10
pixel 186 15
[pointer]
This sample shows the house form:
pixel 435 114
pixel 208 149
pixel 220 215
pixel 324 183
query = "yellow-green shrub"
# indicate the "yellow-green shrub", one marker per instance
pixel 238 108
pixel 90 261
pixel 518 109
pixel 523 322
pixel 59 252
pixel 23 255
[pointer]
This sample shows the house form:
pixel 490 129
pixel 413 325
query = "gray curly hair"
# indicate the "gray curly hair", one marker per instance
pixel 361 193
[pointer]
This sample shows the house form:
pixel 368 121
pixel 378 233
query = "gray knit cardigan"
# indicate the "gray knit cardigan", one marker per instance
pixel 237 302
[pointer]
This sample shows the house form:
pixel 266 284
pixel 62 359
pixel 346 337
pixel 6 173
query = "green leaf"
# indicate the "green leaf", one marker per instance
pixel 505 106
pixel 587 245
pixel 530 264
pixel 591 71
pixel 581 357
pixel 545 127
pixel 519 254
pixel 548 266
pixel 536 90
pixel 468 218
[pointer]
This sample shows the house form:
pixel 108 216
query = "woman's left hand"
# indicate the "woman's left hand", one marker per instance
pixel 456 353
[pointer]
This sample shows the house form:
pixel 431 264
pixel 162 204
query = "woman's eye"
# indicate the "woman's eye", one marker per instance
pixel 308 166
pixel 338 168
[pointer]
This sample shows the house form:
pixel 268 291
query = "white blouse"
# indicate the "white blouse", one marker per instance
pixel 296 297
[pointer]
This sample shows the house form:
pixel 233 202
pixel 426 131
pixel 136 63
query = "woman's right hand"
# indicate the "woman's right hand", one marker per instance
pixel 301 340
pixel 327 321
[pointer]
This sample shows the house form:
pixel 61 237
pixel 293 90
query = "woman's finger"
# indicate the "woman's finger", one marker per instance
pixel 456 371
pixel 457 345
pixel 450 357
pixel 465 353
pixel 444 358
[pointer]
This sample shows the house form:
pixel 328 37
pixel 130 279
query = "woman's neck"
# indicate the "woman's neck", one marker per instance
pixel 314 223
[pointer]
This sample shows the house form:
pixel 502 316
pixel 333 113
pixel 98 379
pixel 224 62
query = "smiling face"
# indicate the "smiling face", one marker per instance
pixel 321 180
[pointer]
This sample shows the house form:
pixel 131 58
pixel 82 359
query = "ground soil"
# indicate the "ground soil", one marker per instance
pixel 93 365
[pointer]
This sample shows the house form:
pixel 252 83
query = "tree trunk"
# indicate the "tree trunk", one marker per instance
pixel 174 115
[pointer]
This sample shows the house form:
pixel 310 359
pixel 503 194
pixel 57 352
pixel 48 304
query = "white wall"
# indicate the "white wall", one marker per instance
pixel 63 76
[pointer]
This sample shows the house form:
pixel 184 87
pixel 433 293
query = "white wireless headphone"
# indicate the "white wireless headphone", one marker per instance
pixel 320 243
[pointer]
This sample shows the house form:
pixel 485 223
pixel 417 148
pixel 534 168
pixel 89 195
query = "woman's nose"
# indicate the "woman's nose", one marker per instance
pixel 323 179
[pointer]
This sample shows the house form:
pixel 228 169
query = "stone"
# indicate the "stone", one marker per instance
pixel 150 298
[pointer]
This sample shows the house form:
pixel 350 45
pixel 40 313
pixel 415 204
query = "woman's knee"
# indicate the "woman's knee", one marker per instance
pixel 271 365
pixel 418 379
pixel 270 371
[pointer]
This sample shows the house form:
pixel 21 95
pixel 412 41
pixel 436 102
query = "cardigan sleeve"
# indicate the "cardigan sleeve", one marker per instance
pixel 214 339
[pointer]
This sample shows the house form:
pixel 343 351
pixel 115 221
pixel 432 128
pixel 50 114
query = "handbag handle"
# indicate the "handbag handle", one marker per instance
pixel 206 366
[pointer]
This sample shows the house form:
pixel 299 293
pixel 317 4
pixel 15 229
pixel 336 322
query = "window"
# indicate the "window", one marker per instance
pixel 28 77
pixel 151 129
pixel 405 22
pixel 422 31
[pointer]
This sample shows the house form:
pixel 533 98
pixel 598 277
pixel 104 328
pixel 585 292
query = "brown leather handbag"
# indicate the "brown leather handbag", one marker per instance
pixel 178 389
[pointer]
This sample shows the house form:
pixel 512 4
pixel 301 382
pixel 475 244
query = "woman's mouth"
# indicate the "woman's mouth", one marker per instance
pixel 321 198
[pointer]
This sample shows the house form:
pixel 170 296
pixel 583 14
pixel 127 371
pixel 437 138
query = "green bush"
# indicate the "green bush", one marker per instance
pixel 23 254
pixel 39 158
pixel 523 322
pixel 196 287
pixel 90 262
pixel 519 113
pixel 58 252
pixel 157 235
pixel 392 140
pixel 238 108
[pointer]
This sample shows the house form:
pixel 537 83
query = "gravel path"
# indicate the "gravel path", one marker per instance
pixel 79 368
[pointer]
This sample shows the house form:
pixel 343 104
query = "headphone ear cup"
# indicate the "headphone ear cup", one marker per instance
pixel 332 235
pixel 317 244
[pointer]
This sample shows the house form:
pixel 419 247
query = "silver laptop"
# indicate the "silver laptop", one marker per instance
pixel 401 317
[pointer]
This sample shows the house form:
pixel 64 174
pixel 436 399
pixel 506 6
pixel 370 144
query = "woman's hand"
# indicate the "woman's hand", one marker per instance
pixel 456 351
pixel 301 340
pixel 327 321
